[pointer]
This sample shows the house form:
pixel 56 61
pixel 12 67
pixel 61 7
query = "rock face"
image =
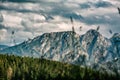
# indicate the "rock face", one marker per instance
pixel 3 47
pixel 91 48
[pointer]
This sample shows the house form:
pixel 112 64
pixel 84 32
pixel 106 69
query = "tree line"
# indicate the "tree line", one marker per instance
pixel 26 68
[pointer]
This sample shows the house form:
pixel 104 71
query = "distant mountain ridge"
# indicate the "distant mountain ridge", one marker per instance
pixel 91 48
pixel 3 47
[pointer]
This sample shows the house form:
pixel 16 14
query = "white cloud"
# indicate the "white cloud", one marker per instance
pixel 77 1
pixel 3 34
pixel 32 19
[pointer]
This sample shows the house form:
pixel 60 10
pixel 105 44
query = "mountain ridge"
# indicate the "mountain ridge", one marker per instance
pixel 91 48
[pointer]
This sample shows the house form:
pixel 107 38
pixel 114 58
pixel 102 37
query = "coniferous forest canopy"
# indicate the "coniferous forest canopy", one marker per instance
pixel 26 68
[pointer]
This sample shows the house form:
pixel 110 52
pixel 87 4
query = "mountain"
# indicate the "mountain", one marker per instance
pixel 3 47
pixel 90 49
pixel 60 46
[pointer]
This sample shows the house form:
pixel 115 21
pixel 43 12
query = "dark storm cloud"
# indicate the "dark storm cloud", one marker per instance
pixel 31 1
pixel 19 0
pixel 97 4
pixel 85 5
pixel 2 27
pixel 15 9
pixel 102 4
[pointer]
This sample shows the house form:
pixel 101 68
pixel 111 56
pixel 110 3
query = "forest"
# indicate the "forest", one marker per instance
pixel 28 68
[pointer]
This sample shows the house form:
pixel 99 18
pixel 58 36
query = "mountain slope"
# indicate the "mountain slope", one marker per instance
pixel 60 46
pixel 91 48
pixel 3 47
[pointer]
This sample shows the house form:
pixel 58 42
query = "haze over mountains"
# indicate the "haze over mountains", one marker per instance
pixel 90 49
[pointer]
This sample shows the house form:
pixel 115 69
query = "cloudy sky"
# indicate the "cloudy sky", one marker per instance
pixel 30 18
